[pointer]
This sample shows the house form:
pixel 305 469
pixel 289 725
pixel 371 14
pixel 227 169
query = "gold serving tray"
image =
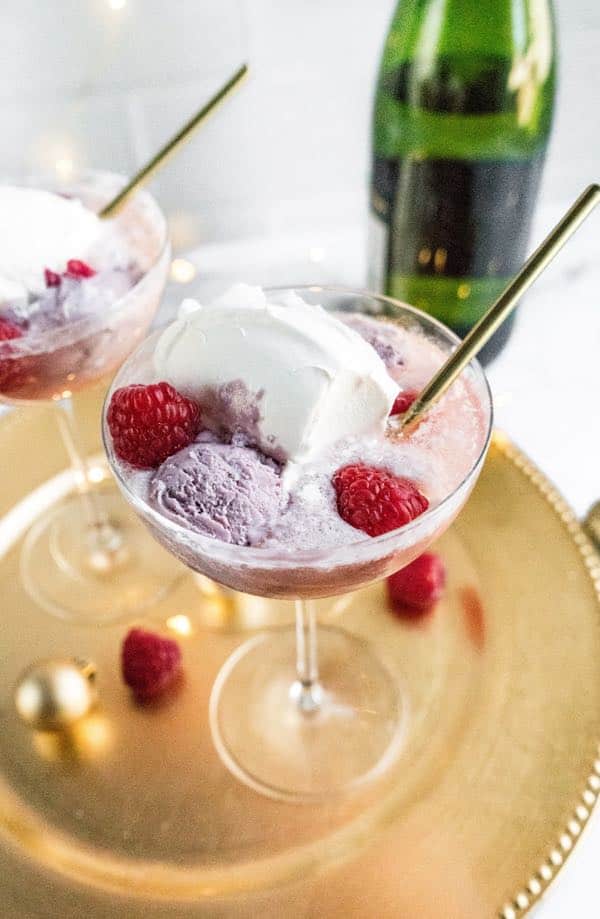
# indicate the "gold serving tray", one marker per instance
pixel 133 815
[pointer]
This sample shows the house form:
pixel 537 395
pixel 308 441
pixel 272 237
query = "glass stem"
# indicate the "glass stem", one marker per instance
pixel 105 538
pixel 306 689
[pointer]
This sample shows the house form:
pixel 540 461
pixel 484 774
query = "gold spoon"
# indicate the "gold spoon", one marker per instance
pixel 500 310
pixel 173 144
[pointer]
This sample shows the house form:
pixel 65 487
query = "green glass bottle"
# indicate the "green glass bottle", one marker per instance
pixel 462 116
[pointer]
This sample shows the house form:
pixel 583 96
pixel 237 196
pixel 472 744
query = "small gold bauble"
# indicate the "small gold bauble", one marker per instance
pixel 54 694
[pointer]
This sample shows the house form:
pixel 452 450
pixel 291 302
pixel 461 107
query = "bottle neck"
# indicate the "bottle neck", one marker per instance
pixel 428 29
pixel 488 72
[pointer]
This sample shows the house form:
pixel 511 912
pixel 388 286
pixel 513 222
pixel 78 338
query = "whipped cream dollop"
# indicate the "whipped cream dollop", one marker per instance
pixel 311 378
pixel 40 229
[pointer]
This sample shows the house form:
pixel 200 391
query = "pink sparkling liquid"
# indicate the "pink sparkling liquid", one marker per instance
pixel 71 354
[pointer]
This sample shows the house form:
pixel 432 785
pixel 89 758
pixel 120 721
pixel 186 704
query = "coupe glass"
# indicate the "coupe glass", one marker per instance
pixel 306 712
pixel 87 558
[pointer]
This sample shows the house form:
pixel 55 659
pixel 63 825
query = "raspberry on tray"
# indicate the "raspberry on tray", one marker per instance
pixel 417 587
pixel 150 663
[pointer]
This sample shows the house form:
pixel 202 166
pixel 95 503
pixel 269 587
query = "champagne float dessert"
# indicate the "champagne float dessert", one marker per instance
pixel 252 437
pixel 77 294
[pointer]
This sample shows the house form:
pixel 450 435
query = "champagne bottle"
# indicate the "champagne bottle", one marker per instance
pixel 462 117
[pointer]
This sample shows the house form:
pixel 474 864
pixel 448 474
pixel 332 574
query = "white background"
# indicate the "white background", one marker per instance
pixel 84 83
pixel 274 188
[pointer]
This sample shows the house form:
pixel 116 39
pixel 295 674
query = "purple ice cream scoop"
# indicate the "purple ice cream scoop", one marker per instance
pixel 229 491
pixel 378 338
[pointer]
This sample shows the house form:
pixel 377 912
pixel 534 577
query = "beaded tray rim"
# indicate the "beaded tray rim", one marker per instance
pixel 531 892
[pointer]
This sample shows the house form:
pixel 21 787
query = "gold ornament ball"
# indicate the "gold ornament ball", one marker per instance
pixel 54 694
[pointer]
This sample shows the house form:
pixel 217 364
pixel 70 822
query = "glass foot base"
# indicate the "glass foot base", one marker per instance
pixel 94 574
pixel 299 744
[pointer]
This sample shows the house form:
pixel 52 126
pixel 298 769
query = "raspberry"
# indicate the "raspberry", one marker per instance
pixel 149 663
pixel 403 402
pixel 9 366
pixel 78 269
pixel 150 423
pixel 52 278
pixel 416 588
pixel 375 500
pixel 9 329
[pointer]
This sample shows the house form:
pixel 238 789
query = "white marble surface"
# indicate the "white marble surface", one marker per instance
pixel 288 153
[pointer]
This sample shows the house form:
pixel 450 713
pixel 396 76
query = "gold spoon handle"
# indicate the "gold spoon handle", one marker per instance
pixel 172 145
pixel 503 306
